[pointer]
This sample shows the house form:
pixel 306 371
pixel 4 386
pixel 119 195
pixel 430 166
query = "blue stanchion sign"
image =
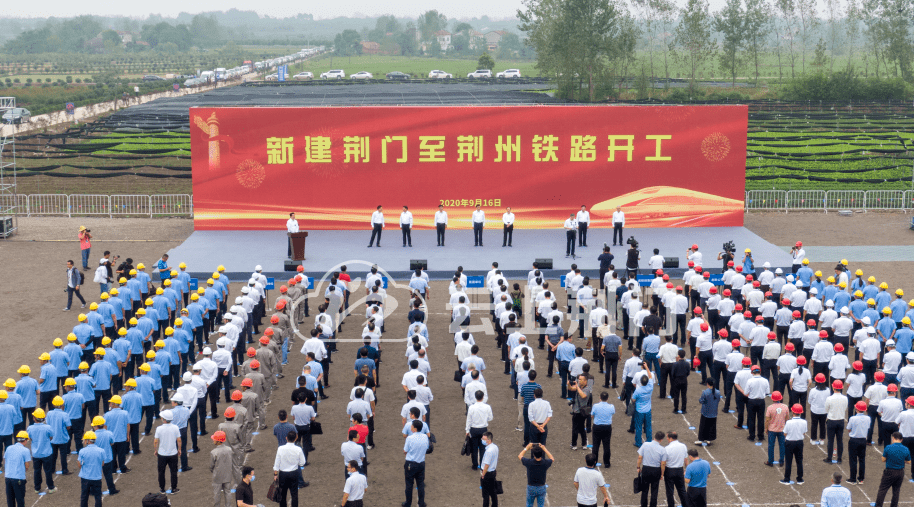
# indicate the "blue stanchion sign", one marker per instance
pixel 271 283
pixel 193 284
pixel 476 282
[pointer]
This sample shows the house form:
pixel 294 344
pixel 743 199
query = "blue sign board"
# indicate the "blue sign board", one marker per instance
pixel 310 282
pixel 562 281
pixel 193 284
pixel 281 72
pixel 644 280
pixel 271 283
pixel 717 279
pixel 476 282
pixel 384 282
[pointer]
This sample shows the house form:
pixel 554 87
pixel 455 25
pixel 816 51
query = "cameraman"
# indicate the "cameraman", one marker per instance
pixel 634 255
pixel 85 244
pixel 798 255
pixel 727 255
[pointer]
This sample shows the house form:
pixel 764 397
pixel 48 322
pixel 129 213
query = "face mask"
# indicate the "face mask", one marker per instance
pixel 484 443
pixel 253 477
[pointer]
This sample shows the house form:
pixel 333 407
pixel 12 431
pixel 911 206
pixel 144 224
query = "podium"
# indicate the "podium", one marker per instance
pixel 298 245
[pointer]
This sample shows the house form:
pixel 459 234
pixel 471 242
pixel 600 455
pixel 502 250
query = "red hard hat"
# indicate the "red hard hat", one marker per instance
pixel 255 364
pixel 797 408
pixel 892 388
pixel 772 335
pixel 756 368
pixel 697 310
pixel 274 319
pixel 801 360
pixel 269 330
pixel 292 282
pixel 218 436
pixel 236 395
pixel 691 264
pixel 696 362
pixel 698 269
pixel 747 361
pixel 730 264
pixel 300 268
pixel 839 347
pixel 666 278
pixel 777 396
pixel 823 333
pixel 230 412
pixel 768 294
pixel 739 269
pixel 820 377
pixel 747 314
pixel 799 243
pixel 251 352
pixel 669 285
pixel 703 326
pixel 713 290
pixel 858 365
pixel 679 288
pixel 837 385
pixel 283 289
pixel 706 274
pixel 723 333
pixel 658 272
pixel 910 400
pixel 749 278
pixel 790 347
pixel 861 406
pixel 796 314
pixel 727 292
pixel 694 247
pixel 280 304
pixel 759 318
pixel 264 340
pixel 879 376
pixel 738 307
pixel 756 283
pixel 812 323
pixel 735 344
pixel 247 383
pixel 786 302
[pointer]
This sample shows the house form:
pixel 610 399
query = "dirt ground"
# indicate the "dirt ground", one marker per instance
pixel 32 273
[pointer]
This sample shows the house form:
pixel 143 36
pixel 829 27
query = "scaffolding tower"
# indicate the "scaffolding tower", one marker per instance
pixel 9 198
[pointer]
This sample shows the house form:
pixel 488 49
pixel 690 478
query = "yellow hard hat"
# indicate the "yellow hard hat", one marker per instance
pixel 805 262
pixel 215 276
pixel 859 272
pixel 132 272
pixel 44 357
pixel 145 367
pixel 149 302
pixel 22 435
pixel 83 365
pixel 115 399
pixel 114 291
pixel 133 320
pixel 844 262
pixel 160 344
pixel 195 297
pixel 831 279
pixel 887 311
pixel 871 279
pixel 69 382
pixel 883 285
pixel 24 369
pixel 141 311
pixel 150 354
pixel 4 395
pixel 9 383
pixel 89 435
pixel 221 268
pixel 182 265
pixel 871 302
pixel 106 341
pixel 159 291
pixel 82 317
pixel 141 266
pixel 169 331
pixel 209 281
pixel 104 295
pixel 899 292
pixel 173 274
pixel 842 284
pixel 122 280
pixel 130 382
pixel 178 322
pixel 201 291
pixel 122 331
pixel 71 337
pixel 39 414
pixel 906 320
pixel 818 274
pixel 859 294
pixel 748 250
pixel 98 421
pixel 58 342
pixel 166 283
pixel 57 401
pixel 99 351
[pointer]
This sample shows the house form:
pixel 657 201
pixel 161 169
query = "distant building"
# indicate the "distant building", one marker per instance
pixel 370 48
pixel 493 38
pixel 444 39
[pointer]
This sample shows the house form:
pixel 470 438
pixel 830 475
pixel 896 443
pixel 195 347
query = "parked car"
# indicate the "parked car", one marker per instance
pixel 303 75
pixel 439 74
pixel 333 74
pixel 150 77
pixel 510 73
pixel 272 77
pixel 480 74
pixel 397 75
pixel 17 115
pixel 361 75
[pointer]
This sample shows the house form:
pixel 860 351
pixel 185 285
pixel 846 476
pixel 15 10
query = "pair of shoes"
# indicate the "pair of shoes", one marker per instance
pixel 195 450
pixel 52 491
pixel 66 309
pixel 519 429
pixel 784 482
pixel 698 442
pixel 324 397
pixel 800 482
pixel 852 482
pixel 370 447
pixel 186 469
pixel 750 438
pixel 124 470
pixel 174 490
pixel 574 448
pixel 826 460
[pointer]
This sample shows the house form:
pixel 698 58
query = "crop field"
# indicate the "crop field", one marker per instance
pixel 415 66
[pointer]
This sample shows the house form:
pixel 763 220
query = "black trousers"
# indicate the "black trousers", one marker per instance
pixel 756 419
pixel 507 235
pixel 407 234
pixel 487 484
pixel 582 234
pixel 666 372
pixel 698 497
pixel 47 464
pixel 477 239
pixel 617 231
pixel 70 292
pixel 835 429
pixel 674 480
pixel 793 450
pixel 569 242
pixel 375 232
pixel 476 447
pixel 602 436
pixel 679 391
pixel 577 428
pixel 890 479
pixel 288 485
pixel 15 492
pixel 412 472
pixel 650 483
pixel 120 454
pixel 172 463
pixel 440 228
pixel 90 488
pixel 856 451
pixel 610 364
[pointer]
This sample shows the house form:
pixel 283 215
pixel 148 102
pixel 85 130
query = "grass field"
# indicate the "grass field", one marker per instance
pixel 415 66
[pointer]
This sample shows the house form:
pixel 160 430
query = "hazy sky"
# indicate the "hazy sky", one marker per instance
pixel 280 8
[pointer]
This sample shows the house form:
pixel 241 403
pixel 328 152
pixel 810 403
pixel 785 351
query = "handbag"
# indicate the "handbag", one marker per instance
pixel 458 376
pixel 274 493
pixel 465 450
pixel 499 490
pixel 630 409
pixel 431 443
pixel 636 484
pixel 316 428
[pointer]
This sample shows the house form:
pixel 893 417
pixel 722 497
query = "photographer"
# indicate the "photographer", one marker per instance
pixel 85 245
pixel 123 270
pixel 634 255
pixel 727 255
pixel 798 255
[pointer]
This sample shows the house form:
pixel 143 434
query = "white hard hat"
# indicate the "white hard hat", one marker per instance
pixel 890 343
pixel 197 367
pixel 238 300
pixel 813 290
pixel 167 415
pixel 910 356
pixel 779 271
pixel 789 278
pixel 221 342
pixel 829 303
pixel 844 310
pixel 870 330
pixel 207 351
pixel 866 321
pixel 177 397
pixel 222 329
pixel 252 281
pixel 245 290
pixel 799 283
pixel 187 376
pixel 258 268
pixel 766 265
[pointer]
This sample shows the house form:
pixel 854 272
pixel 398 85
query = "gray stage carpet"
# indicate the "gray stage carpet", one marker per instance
pixel 240 251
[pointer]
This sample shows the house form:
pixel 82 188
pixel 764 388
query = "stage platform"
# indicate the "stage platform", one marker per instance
pixel 241 251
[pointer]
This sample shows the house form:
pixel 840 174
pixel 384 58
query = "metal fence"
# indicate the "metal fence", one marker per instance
pixel 104 205
pixel 822 200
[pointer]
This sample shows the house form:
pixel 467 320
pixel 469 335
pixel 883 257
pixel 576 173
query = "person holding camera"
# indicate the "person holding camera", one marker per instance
pixel 85 245
pixel 798 255
pixel 727 255
pixel 634 255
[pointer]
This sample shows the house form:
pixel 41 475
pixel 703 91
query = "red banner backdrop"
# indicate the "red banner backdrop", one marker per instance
pixel 667 166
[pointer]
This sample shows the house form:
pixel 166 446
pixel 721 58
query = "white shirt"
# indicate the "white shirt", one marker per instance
pixel 406 218
pixel 508 218
pixel 479 216
pixel 836 407
pixel 571 225
pixel 619 217
pixel 478 416
pixel 890 409
pixel 676 453
pixel 798 256
pixel 316 346
pixel 377 218
pixel 441 217
pixel 209 371
pixel 469 396
pixel 655 262
pixel 583 217
pixel 696 258
pixel 292 225
pixel 589 481
pixel 288 458
pixel 355 486
pixel 167 435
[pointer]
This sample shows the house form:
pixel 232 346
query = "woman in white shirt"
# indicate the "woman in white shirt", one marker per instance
pixel 817 409
pixel 800 380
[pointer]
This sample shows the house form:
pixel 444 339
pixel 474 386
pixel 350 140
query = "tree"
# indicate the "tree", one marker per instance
pixel 693 43
pixel 852 31
pixel 755 30
pixel 509 46
pixel 730 22
pixel 348 43
pixel 809 24
pixel 786 34
pixel 111 37
pixel 485 61
pixel 406 39
pixel 429 23
pixel 834 23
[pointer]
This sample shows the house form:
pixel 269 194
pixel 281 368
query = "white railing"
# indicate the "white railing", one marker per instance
pixel 828 200
pixel 104 205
